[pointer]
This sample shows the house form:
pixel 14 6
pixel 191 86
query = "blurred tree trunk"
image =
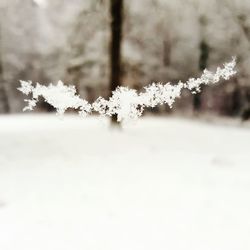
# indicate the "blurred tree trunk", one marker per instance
pixel 116 13
pixel 236 100
pixel 166 52
pixel 245 114
pixel 204 54
pixel 4 105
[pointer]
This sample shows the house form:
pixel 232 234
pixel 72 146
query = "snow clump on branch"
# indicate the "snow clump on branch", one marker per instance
pixel 126 103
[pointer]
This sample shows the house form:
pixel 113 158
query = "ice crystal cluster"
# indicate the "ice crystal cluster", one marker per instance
pixel 126 103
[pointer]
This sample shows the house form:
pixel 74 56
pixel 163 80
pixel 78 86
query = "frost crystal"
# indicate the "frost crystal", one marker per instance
pixel 126 103
pixel 59 96
pixel 26 87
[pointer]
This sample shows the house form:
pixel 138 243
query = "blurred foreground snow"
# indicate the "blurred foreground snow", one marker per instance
pixel 163 183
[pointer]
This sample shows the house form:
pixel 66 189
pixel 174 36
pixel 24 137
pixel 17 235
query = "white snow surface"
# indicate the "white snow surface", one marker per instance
pixel 161 183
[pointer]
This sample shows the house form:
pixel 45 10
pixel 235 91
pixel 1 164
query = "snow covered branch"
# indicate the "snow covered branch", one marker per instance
pixel 125 103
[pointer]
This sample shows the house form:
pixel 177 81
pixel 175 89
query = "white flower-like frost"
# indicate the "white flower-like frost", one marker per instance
pixel 125 103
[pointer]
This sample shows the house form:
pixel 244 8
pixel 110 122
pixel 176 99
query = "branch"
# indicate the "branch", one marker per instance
pixel 125 103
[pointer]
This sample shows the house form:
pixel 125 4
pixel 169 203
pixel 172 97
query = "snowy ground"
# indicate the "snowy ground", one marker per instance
pixel 163 183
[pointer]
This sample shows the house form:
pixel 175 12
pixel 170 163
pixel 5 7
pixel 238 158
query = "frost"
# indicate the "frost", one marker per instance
pixel 31 104
pixel 26 87
pixel 60 96
pixel 126 103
